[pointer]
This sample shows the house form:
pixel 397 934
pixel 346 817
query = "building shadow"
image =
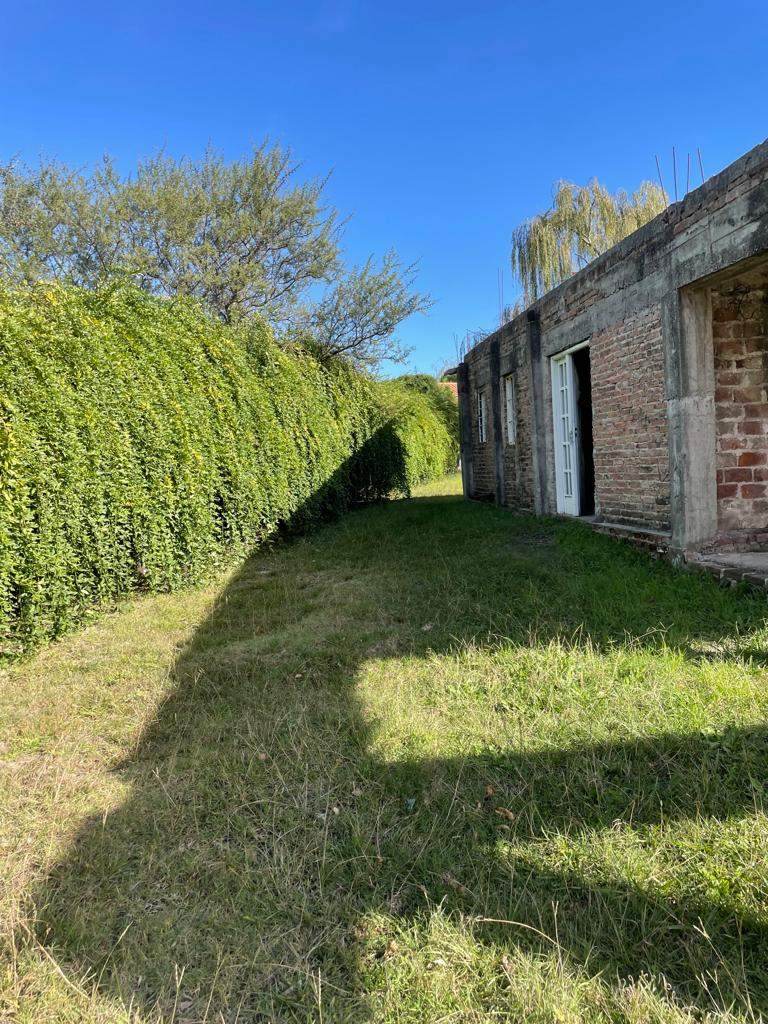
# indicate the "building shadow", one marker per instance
pixel 262 834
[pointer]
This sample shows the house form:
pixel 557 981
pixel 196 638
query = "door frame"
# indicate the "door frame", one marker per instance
pixel 567 504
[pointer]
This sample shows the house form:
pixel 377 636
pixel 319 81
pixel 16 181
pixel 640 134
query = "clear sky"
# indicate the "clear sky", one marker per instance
pixel 445 124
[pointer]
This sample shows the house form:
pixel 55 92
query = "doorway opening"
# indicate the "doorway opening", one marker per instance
pixel 583 376
pixel 572 413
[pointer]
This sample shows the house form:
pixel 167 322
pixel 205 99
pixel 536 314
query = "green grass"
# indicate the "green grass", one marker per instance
pixel 434 762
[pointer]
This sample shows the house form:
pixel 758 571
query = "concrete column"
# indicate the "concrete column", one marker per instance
pixel 690 379
pixel 539 426
pixel 494 360
pixel 465 429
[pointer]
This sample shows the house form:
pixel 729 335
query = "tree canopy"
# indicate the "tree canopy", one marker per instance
pixel 583 222
pixel 360 313
pixel 244 237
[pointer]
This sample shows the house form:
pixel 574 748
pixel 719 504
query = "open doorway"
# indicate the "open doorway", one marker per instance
pixel 583 377
pixel 572 414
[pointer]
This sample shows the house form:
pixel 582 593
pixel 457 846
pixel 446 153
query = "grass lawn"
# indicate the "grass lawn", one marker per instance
pixel 434 762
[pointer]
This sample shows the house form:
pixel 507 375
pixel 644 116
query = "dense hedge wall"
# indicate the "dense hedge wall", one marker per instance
pixel 141 442
pixel 430 443
pixel 441 399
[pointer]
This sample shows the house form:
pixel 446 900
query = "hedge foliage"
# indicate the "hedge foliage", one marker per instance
pixel 142 442
pixel 425 427
pixel 441 398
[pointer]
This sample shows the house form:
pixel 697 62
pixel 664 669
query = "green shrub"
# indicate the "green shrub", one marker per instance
pixel 429 447
pixel 141 442
pixel 441 399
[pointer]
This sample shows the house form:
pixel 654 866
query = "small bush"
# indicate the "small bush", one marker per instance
pixel 141 442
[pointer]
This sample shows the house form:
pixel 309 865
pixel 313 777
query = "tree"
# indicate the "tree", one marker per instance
pixel 583 222
pixel 243 237
pixel 359 315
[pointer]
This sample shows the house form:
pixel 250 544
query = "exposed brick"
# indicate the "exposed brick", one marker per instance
pixel 753 459
pixel 630 421
pixel 751 394
pixel 752 490
pixel 518 457
pixel 740 330
pixel 735 348
pixel 739 475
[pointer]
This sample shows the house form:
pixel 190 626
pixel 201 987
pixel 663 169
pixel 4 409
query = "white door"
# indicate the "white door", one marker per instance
pixel 564 399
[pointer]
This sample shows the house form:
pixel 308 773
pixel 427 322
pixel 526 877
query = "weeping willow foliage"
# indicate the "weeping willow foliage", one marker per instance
pixel 583 222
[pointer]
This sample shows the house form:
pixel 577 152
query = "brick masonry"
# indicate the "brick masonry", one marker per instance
pixel 483 470
pixel 518 463
pixel 676 318
pixel 517 457
pixel 630 428
pixel 629 408
pixel 740 335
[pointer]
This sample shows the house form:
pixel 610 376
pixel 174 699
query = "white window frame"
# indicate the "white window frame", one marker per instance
pixel 510 408
pixel 482 426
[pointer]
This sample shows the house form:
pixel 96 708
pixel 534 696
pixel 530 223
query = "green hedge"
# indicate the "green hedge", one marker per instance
pixel 430 445
pixel 142 442
pixel 441 399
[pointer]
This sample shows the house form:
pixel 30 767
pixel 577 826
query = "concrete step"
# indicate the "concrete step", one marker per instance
pixel 655 541
pixel 738 567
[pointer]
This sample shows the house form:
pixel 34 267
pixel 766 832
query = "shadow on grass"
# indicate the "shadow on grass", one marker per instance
pixel 264 836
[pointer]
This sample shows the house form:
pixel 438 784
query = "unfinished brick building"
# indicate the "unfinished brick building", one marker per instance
pixel 635 394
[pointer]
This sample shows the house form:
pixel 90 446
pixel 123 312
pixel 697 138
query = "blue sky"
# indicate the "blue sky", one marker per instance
pixel 444 124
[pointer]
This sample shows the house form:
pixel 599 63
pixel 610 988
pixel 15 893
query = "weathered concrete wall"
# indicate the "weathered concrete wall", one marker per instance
pixel 645 309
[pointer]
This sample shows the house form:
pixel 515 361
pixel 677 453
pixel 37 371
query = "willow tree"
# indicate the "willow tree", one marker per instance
pixel 583 222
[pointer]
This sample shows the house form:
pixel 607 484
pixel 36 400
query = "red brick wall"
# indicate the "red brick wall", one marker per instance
pixel 740 336
pixel 629 407
pixel 483 459
pixel 518 457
